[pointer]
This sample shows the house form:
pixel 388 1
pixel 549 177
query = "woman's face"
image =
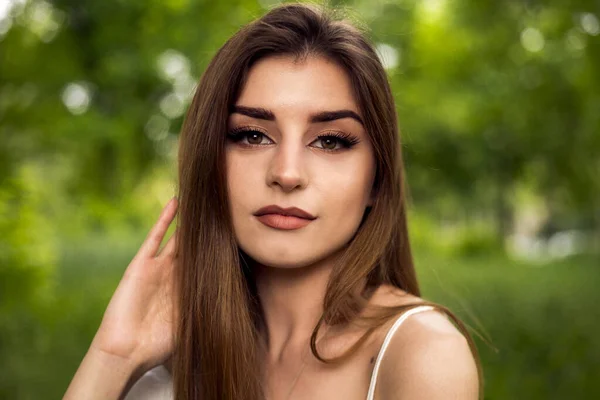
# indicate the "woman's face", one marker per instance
pixel 277 158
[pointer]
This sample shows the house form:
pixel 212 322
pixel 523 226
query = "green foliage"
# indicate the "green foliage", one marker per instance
pixel 39 335
pixel 541 321
pixel 471 243
pixel 492 97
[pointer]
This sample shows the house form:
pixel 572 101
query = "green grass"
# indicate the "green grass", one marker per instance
pixel 544 321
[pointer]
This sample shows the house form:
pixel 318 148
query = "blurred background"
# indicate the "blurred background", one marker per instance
pixel 499 108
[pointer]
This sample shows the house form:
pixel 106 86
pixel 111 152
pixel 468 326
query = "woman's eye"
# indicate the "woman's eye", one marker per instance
pixel 254 138
pixel 329 142
pixel 345 140
pixel 249 138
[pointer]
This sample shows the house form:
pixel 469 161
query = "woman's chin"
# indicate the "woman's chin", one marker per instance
pixel 289 261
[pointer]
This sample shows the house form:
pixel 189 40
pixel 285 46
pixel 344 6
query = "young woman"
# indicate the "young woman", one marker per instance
pixel 290 274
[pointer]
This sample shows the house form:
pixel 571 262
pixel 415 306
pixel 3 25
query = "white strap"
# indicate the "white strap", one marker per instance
pixel 386 342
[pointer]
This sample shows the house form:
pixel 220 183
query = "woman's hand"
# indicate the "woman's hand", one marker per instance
pixel 138 323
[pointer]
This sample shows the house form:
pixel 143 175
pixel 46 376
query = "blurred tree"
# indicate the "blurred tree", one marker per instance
pixel 496 93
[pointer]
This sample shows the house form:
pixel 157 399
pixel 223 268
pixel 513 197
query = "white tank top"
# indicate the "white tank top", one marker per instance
pixel 157 384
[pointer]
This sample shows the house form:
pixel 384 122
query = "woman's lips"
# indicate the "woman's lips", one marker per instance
pixel 285 222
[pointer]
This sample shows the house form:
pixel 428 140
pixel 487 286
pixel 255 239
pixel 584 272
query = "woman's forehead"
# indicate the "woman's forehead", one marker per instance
pixel 310 87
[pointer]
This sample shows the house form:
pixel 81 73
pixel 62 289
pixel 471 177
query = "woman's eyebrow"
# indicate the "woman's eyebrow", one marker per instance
pixel 323 116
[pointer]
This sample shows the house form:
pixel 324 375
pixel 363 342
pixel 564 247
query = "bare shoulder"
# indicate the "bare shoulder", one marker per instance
pixel 427 358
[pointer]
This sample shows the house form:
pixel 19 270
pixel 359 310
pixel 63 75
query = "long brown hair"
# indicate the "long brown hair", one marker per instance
pixel 216 355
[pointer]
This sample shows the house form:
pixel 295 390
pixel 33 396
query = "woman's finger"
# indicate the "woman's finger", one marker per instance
pixel 153 240
pixel 170 246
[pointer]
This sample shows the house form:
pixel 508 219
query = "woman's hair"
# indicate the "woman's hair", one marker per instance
pixel 216 354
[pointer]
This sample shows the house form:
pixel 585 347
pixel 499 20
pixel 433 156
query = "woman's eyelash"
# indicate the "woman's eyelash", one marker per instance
pixel 237 134
pixel 345 139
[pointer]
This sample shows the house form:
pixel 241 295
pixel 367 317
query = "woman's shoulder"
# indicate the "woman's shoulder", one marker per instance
pixel 434 322
pixel 427 348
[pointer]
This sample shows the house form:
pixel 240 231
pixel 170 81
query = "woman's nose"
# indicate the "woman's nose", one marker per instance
pixel 287 168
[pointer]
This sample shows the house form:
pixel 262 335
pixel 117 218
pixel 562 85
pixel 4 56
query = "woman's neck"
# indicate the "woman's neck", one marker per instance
pixel 292 303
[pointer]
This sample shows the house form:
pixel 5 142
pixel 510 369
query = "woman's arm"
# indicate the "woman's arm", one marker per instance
pixel 102 376
pixel 136 333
